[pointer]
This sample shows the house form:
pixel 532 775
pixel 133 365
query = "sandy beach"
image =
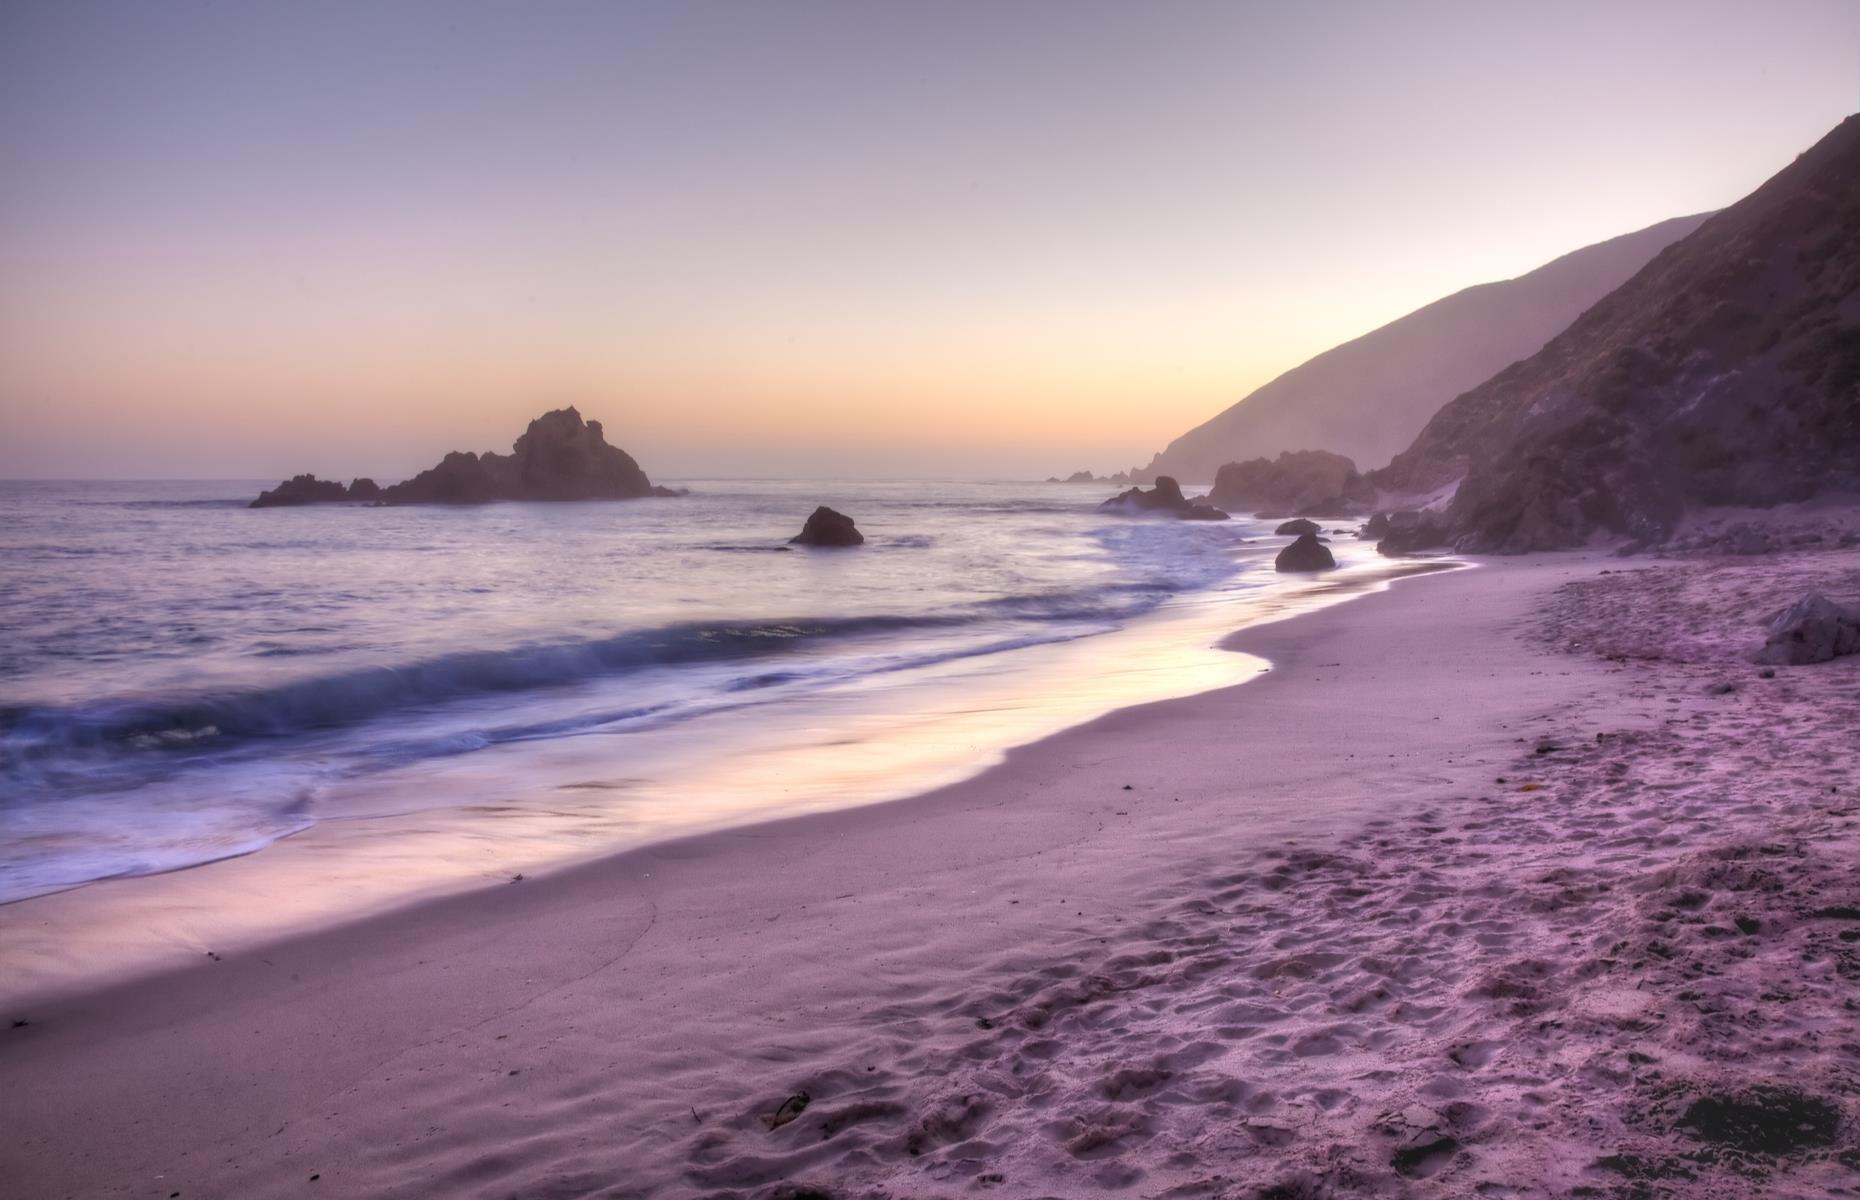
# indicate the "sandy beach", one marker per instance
pixel 916 601
pixel 1499 883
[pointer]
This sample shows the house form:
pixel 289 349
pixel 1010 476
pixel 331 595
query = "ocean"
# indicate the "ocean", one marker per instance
pixel 185 680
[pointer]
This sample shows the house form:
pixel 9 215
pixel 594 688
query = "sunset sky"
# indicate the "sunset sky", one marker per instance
pixel 247 239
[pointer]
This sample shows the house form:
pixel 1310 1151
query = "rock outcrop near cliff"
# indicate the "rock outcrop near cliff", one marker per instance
pixel 1727 371
pixel 1369 397
pixel 1306 483
pixel 559 457
pixel 308 489
pixel 1165 498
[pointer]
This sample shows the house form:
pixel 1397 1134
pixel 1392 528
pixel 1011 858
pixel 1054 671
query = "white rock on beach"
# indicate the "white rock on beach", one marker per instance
pixel 1812 630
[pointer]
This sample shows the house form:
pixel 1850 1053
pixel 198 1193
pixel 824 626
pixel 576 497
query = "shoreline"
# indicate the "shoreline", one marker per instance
pixel 348 866
pixel 616 895
pixel 1288 931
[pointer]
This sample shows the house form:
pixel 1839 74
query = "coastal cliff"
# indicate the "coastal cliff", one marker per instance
pixel 1369 397
pixel 1727 372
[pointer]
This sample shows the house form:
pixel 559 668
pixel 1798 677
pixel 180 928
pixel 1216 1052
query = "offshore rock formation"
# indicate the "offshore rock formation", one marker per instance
pixel 1727 372
pixel 301 489
pixel 1368 398
pixel 825 527
pixel 1305 554
pixel 1166 497
pixel 308 489
pixel 559 457
pixel 1312 483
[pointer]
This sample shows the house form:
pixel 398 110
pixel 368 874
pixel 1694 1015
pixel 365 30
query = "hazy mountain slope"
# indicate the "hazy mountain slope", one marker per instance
pixel 1725 372
pixel 1368 398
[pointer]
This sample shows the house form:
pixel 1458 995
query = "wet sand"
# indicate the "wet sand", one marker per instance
pixel 1293 938
pixel 407 836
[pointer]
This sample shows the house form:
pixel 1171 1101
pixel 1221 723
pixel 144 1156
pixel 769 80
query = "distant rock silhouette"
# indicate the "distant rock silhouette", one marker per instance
pixel 1305 554
pixel 1312 483
pixel 559 457
pixel 825 527
pixel 1727 372
pixel 1296 526
pixel 1166 498
pixel 303 489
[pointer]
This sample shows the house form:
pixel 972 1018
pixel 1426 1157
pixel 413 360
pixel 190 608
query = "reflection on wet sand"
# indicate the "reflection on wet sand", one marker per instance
pixel 443 826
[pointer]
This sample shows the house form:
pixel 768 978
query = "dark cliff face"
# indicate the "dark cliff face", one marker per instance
pixel 1368 398
pixel 1725 372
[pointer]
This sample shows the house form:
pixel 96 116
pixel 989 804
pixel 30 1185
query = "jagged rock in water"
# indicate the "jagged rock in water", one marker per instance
pixel 1165 497
pixel 559 457
pixel 301 489
pixel 1813 629
pixel 825 527
pixel 1409 532
pixel 460 478
pixel 1167 494
pixel 1296 526
pixel 1726 372
pixel 1314 483
pixel 1305 554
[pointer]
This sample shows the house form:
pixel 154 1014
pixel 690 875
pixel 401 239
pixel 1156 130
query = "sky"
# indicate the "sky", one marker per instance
pixel 952 238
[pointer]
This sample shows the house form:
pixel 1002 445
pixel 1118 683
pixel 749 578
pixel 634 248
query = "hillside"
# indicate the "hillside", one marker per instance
pixel 1368 398
pixel 1727 371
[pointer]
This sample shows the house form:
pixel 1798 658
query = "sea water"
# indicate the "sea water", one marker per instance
pixel 443 691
